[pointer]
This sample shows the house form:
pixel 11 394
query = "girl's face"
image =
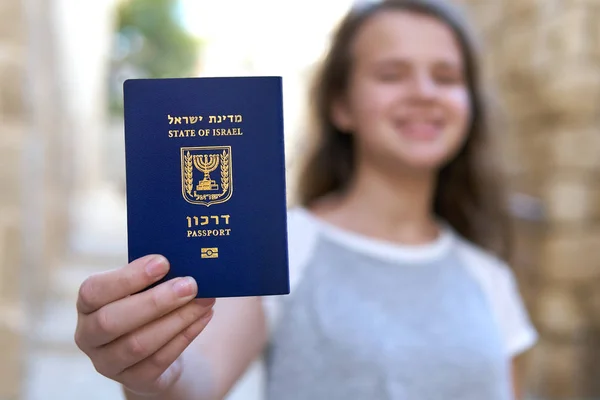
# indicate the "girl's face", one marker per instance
pixel 407 102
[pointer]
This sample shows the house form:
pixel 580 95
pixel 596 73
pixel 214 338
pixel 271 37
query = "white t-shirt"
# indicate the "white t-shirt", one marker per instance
pixel 370 319
pixel 440 320
pixel 494 276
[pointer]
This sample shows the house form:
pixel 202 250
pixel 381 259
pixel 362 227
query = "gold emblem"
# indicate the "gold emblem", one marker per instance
pixel 206 174
pixel 209 252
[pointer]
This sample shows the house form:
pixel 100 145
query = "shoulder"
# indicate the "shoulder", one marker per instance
pixel 486 266
pixel 499 284
pixel 302 239
pixel 302 230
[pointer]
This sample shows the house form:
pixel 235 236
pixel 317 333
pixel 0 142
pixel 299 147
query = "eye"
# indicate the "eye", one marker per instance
pixel 448 79
pixel 447 75
pixel 391 74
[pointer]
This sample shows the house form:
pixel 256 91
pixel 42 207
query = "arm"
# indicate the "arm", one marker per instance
pixel 219 356
pixel 517 376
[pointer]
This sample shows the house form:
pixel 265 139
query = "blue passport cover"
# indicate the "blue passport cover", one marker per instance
pixel 205 173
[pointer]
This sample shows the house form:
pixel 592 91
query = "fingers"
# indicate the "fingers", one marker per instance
pixel 107 287
pixel 134 347
pixel 158 368
pixel 128 314
pixel 135 336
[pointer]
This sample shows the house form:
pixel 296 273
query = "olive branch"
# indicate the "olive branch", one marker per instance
pixel 188 173
pixel 224 171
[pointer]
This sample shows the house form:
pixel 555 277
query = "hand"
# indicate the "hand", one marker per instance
pixel 136 339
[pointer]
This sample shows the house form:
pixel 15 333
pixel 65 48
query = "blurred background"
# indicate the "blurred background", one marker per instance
pixel 62 189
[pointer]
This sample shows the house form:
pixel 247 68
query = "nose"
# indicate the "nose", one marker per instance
pixel 423 86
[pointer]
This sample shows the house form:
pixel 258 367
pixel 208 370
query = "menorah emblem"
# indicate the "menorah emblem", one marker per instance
pixel 206 163
pixel 197 164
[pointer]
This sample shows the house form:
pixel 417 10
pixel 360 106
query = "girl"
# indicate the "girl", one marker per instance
pixel 399 290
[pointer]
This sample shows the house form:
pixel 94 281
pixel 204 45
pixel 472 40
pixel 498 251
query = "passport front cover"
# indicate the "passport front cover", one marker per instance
pixel 205 171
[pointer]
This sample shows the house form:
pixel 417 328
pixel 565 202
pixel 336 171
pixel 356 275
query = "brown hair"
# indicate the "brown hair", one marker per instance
pixel 468 192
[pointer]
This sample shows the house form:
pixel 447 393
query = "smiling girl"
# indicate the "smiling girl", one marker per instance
pixel 399 288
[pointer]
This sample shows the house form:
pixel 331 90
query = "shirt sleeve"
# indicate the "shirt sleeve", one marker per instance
pixel 302 236
pixel 517 329
pixel 498 282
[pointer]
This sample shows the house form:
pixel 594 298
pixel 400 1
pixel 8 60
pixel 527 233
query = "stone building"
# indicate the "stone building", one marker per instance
pixel 542 55
pixel 24 186
pixel 544 59
pixel 12 130
pixel 42 124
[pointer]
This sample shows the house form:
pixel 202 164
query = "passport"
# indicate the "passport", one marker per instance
pixel 205 181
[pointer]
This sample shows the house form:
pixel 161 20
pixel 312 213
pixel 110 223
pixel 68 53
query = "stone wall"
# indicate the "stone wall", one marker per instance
pixel 34 179
pixel 544 57
pixel 12 68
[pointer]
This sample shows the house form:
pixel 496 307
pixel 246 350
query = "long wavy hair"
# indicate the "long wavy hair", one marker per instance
pixel 469 194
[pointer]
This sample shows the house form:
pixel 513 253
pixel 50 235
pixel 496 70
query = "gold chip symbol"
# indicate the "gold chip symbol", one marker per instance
pixel 210 252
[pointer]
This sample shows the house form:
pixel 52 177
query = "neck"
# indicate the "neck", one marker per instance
pixel 390 206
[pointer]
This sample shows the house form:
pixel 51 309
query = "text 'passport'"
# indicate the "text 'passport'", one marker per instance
pixel 205 169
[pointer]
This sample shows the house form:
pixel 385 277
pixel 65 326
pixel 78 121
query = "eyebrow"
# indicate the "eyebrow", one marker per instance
pixel 396 62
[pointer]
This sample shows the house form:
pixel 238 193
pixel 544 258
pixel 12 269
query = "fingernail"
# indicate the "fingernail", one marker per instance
pixel 205 302
pixel 157 267
pixel 184 287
